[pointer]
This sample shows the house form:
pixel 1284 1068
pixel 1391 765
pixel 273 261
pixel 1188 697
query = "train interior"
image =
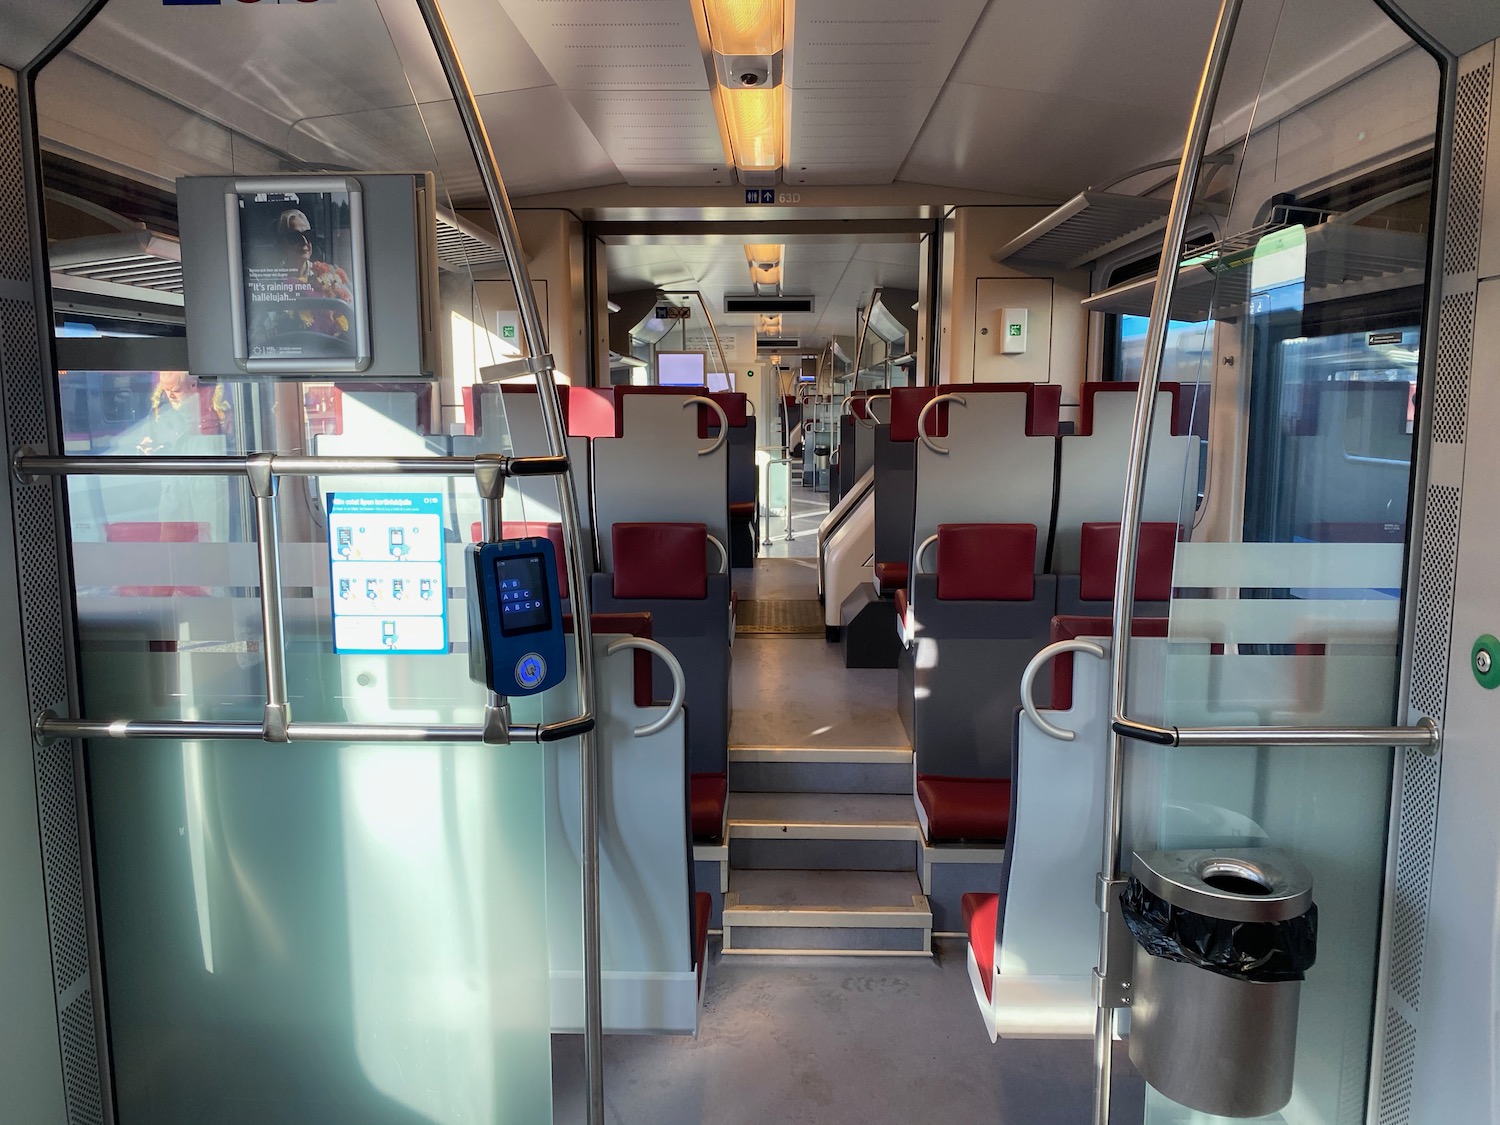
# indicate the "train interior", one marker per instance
pixel 667 561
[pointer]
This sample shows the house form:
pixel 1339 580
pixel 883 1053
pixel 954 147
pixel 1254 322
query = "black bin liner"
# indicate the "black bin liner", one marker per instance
pixel 1253 951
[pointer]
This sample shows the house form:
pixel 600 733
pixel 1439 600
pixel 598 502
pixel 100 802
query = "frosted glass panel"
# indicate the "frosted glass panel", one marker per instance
pixel 312 933
pixel 1264 634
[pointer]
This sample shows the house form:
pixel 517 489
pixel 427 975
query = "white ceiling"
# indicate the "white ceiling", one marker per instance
pixel 1022 98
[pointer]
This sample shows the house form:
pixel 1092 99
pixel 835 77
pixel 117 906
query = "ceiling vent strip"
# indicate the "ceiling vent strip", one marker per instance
pixel 752 303
pixel 463 246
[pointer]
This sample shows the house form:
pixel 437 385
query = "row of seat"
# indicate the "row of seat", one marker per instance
pixel 989 521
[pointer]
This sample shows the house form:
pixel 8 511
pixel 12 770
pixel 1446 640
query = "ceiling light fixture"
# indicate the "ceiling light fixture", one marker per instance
pixel 747 37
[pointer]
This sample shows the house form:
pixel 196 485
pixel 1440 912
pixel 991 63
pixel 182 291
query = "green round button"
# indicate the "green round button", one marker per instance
pixel 1485 660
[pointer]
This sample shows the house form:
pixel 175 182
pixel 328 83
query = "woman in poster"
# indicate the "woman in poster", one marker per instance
pixel 301 303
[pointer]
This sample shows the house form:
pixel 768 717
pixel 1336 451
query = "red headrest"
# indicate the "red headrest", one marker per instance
pixel 733 403
pixel 1099 552
pixel 515 529
pixel 906 404
pixel 660 560
pixel 986 562
pixel 1088 391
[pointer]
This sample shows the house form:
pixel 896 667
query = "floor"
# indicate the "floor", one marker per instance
pixel 794 691
pixel 808 509
pixel 836 1041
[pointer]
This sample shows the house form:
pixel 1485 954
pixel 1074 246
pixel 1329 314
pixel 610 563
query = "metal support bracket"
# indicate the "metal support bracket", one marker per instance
pixel 496 721
pixel 490 471
pixel 511 368
pixel 1112 980
pixel 261 472
pixel 21 476
pixel 276 722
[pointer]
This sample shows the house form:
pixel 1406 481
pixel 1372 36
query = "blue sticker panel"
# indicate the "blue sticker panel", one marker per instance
pixel 385 561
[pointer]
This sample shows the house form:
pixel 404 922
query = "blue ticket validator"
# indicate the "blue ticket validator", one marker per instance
pixel 515 616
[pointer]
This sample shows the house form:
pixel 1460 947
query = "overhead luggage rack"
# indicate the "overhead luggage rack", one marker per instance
pixel 1342 261
pixel 463 246
pixel 1084 229
pixel 141 258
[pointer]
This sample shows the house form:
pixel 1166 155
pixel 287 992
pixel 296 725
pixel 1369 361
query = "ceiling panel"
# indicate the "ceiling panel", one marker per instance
pixel 635 71
pixel 610 45
pixel 861 76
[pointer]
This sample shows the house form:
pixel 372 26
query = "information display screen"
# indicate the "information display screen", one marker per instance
pixel 524 604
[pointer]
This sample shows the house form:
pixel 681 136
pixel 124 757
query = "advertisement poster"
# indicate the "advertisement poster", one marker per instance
pixel 390 588
pixel 301 276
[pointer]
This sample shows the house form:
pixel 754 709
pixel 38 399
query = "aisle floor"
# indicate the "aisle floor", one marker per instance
pixel 840 1041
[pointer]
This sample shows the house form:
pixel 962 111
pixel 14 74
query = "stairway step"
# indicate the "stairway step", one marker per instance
pixel 861 913
pixel 851 769
pixel 843 831
pixel 822 816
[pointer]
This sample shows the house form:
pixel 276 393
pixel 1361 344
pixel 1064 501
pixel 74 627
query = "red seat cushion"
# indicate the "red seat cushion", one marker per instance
pixel 742 511
pixel 709 792
pixel 890 577
pixel 986 562
pixel 1099 552
pixel 965 808
pixel 980 914
pixel 703 909
pixel 660 560
pixel 903 604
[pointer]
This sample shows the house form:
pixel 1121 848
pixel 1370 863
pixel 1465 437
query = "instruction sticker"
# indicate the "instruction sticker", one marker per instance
pixel 385 558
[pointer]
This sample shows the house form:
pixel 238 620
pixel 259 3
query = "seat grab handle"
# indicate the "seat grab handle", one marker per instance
pixel 1037 663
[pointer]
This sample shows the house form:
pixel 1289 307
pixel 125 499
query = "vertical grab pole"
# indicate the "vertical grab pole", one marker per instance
pixel 536 347
pixel 277 716
pixel 1130 527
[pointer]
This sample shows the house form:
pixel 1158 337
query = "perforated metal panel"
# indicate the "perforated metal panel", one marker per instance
pixel 1416 823
pixel 1451 393
pixel 15 253
pixel 26 401
pixel 1396 1078
pixel 1435 600
pixel 1466 191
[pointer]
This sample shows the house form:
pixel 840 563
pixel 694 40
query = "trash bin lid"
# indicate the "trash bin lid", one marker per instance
pixel 1239 884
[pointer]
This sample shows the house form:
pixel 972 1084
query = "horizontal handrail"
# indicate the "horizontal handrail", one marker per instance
pixel 1033 669
pixel 49 727
pixel 679 679
pixel 29 465
pixel 1424 735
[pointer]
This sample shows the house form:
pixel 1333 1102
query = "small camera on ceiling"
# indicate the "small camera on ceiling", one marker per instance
pixel 748 72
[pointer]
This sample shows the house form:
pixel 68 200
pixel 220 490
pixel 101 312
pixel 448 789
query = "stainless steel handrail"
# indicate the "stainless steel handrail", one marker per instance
pixel 922 420
pixel 703 400
pixel 1193 148
pixel 49 727
pixel 28 465
pixel 534 330
pixel 1425 735
pixel 679 680
pixel 1033 669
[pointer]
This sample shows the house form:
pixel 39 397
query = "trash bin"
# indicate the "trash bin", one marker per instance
pixel 1222 941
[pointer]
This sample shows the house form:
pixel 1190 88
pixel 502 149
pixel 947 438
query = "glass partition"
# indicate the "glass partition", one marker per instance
pixel 316 931
pixel 1306 317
